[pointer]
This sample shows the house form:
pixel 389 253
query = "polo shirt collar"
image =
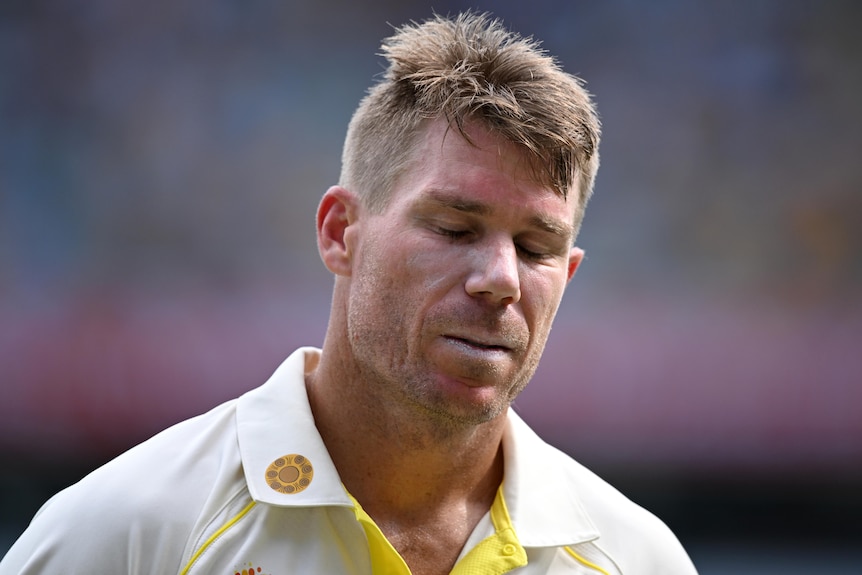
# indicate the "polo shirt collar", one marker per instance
pixel 275 423
pixel 540 490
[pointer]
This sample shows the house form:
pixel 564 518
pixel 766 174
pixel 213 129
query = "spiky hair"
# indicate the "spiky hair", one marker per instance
pixel 471 67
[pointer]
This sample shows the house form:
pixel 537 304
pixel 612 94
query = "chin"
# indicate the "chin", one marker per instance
pixel 457 414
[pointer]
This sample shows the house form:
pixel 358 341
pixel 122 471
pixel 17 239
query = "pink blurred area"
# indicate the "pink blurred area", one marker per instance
pixel 90 377
pixel 715 391
pixel 691 389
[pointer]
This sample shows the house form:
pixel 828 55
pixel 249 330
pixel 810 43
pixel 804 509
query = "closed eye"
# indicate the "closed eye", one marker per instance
pixel 530 254
pixel 450 233
pixel 541 251
pixel 535 256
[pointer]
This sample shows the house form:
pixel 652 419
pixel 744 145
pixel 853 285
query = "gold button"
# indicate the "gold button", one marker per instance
pixel 289 474
pixel 509 549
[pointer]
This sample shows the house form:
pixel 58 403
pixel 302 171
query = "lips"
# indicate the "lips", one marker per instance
pixel 478 343
pixel 487 333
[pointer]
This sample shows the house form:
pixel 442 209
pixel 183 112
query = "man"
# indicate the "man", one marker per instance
pixel 393 449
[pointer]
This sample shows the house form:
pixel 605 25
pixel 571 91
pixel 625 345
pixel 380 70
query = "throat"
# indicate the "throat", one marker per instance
pixel 428 544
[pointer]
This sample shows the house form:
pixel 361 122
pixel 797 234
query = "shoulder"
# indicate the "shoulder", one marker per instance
pixel 635 538
pixel 629 533
pixel 586 509
pixel 135 513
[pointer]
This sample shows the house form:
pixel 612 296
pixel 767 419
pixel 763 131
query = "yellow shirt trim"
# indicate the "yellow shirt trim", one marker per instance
pixel 583 561
pixel 496 554
pixel 215 536
pixel 384 558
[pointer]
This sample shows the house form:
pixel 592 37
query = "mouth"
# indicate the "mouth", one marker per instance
pixel 478 344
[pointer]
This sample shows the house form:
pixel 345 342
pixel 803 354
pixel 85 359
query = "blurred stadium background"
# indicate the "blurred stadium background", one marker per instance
pixel 160 164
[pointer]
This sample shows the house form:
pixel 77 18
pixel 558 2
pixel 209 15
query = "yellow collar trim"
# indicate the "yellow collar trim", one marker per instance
pixel 496 554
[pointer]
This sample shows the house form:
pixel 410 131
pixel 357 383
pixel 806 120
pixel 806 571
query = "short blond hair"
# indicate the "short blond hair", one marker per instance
pixel 471 67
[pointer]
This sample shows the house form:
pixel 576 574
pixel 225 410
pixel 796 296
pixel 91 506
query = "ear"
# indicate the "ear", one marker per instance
pixel 576 256
pixel 337 212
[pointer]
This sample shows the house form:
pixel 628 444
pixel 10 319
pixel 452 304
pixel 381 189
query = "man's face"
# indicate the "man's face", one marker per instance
pixel 454 286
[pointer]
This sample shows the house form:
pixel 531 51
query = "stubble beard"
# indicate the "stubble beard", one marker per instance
pixel 398 383
pixel 402 389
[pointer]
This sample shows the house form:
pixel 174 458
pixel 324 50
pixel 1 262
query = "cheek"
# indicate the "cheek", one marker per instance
pixel 541 298
pixel 391 287
pixel 375 322
pixel 429 273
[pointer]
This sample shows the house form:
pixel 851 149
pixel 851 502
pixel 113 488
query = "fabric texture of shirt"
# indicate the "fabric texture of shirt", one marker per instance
pixel 249 488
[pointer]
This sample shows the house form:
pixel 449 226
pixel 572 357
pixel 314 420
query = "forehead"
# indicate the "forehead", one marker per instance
pixel 487 172
pixel 439 140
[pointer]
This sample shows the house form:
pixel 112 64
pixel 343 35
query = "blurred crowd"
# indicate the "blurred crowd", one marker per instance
pixel 160 164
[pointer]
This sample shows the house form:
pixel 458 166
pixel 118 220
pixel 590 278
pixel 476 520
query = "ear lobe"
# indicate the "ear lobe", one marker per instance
pixel 576 256
pixel 335 214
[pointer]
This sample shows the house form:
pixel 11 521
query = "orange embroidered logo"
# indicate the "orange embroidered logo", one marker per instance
pixel 249 569
pixel 289 474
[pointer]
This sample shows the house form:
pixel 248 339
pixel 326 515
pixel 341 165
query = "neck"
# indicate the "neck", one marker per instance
pixel 429 467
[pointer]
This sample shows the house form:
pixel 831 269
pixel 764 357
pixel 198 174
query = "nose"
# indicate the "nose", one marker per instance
pixel 495 275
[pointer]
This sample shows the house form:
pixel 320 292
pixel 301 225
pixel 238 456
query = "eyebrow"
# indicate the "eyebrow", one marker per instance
pixel 455 202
